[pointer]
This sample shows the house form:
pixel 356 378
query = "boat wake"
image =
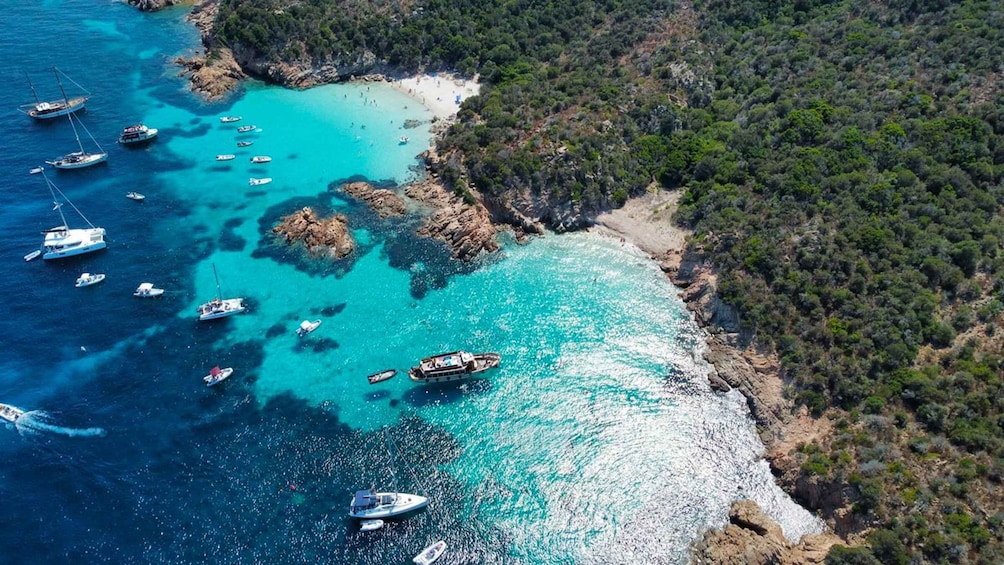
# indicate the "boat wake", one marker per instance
pixel 39 421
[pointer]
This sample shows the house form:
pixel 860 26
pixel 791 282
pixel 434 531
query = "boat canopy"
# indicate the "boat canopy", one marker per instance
pixel 215 371
pixel 364 498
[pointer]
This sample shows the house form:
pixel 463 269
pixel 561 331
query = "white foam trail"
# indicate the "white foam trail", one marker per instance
pixel 35 421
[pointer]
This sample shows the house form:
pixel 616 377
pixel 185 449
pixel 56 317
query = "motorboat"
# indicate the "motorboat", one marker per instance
pixel 261 159
pixel 136 134
pixel 245 143
pixel 382 376
pixel 370 525
pixel 79 159
pixel 453 366
pixel 62 241
pixel 430 554
pixel 226 157
pixel 45 109
pixel 87 279
pixel 258 182
pixel 135 196
pixel 218 307
pixel 230 119
pixel 245 129
pixel 147 290
pixel 217 375
pixel 403 139
pixel 306 327
pixel 369 504
pixel 10 413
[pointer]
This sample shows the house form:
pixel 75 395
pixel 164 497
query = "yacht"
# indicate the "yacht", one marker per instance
pixel 10 413
pixel 453 366
pixel 80 159
pixel 369 504
pixel 63 241
pixel 43 110
pixel 218 307
pixel 137 134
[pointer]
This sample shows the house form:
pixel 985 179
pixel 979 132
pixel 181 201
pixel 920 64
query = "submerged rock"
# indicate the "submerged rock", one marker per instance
pixel 382 201
pixel 321 236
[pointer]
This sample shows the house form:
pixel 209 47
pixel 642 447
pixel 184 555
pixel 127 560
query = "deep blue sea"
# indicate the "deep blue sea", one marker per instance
pixel 598 440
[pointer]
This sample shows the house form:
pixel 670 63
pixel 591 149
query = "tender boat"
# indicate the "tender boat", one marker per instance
pixel 10 413
pixel 217 375
pixel 403 139
pixel 245 143
pixel 245 129
pixel 33 255
pixel 226 157
pixel 79 159
pixel 146 290
pixel 257 182
pixel 87 279
pixel 261 159
pixel 430 554
pixel 43 110
pixel 230 119
pixel 453 366
pixel 382 376
pixel 306 327
pixel 137 134
pixel 370 525
pixel 369 504
pixel 135 196
pixel 219 308
pixel 62 241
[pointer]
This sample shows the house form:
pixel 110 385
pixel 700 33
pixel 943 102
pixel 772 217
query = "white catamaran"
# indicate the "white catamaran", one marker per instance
pixel 220 308
pixel 63 241
pixel 79 159
pixel 43 110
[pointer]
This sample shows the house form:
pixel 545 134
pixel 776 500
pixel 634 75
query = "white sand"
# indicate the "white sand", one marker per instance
pixel 438 92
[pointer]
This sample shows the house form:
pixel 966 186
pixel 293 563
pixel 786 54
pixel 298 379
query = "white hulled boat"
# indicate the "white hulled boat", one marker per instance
pixel 135 196
pixel 453 366
pixel 147 290
pixel 10 413
pixel 79 159
pixel 230 119
pixel 217 375
pixel 258 182
pixel 63 241
pixel 43 110
pixel 226 157
pixel 218 307
pixel 369 504
pixel 261 159
pixel 137 134
pixel 306 327
pixel 87 279
pixel 246 129
pixel 430 554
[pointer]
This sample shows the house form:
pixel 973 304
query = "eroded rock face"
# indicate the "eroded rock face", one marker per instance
pixel 384 202
pixel 212 77
pixel 465 227
pixel 154 5
pixel 321 236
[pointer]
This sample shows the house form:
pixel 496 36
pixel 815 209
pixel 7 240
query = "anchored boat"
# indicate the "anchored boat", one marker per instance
pixel 453 366
pixel 369 504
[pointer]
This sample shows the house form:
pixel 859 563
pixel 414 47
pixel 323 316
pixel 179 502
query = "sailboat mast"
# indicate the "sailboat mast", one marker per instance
pixel 55 201
pixel 217 276
pixel 66 100
pixel 32 87
pixel 75 134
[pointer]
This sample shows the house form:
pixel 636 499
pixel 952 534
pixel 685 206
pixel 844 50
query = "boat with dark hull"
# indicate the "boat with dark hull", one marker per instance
pixel 453 366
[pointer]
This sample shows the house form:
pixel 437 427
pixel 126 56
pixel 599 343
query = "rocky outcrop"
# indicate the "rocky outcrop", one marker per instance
pixel 751 538
pixel 321 236
pixel 465 227
pixel 304 74
pixel 154 5
pixel 212 77
pixel 384 202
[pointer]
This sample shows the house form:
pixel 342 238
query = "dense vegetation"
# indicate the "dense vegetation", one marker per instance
pixel 843 167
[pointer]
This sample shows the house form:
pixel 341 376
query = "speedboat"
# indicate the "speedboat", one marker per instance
pixel 453 366
pixel 245 143
pixel 261 159
pixel 10 413
pixel 135 196
pixel 87 279
pixel 370 525
pixel 430 554
pixel 369 504
pixel 382 376
pixel 306 327
pixel 146 290
pixel 217 375
pixel 230 119
pixel 137 134
pixel 226 157
pixel 245 129
pixel 257 182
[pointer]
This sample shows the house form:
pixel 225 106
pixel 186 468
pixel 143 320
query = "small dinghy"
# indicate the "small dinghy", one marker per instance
pixel 87 279
pixel 382 376
pixel 217 375
pixel 226 157
pixel 258 182
pixel 370 525
pixel 146 290
pixel 245 143
pixel 245 129
pixel 33 255
pixel 402 140
pixel 430 554
pixel 230 119
pixel 306 327
pixel 135 196
pixel 261 159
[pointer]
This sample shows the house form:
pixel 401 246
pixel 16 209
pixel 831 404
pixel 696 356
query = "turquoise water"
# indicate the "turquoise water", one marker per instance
pixel 598 440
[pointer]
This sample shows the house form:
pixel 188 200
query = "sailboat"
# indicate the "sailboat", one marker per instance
pixel 62 241
pixel 43 110
pixel 220 308
pixel 79 159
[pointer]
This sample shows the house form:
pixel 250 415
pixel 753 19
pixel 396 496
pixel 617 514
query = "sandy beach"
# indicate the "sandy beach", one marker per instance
pixel 441 93
pixel 646 222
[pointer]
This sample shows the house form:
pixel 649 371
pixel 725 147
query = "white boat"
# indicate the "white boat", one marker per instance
pixel 453 366
pixel 87 279
pixel 245 143
pixel 63 241
pixel 33 255
pixel 135 196
pixel 79 159
pixel 381 376
pixel 261 159
pixel 226 157
pixel 403 139
pixel 430 554
pixel 230 119
pixel 370 525
pixel 43 110
pixel 258 182
pixel 220 308
pixel 146 290
pixel 10 413
pixel 306 327
pixel 137 134
pixel 245 129
pixel 217 375
pixel 369 504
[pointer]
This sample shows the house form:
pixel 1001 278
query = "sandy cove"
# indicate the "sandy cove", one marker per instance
pixel 441 93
